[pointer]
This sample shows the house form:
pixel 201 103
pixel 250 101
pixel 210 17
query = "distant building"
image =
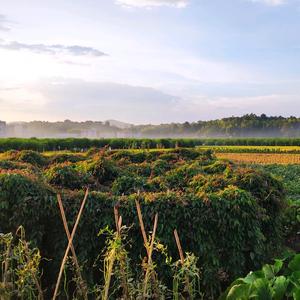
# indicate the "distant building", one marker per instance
pixel 2 129
pixel 16 129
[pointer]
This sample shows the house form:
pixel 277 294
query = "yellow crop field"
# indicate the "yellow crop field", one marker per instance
pixel 261 158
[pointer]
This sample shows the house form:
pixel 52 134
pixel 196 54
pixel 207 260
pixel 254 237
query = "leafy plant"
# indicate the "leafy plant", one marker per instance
pixel 278 281
pixel 20 273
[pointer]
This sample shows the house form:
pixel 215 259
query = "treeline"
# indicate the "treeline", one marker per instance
pixel 249 125
pixel 83 144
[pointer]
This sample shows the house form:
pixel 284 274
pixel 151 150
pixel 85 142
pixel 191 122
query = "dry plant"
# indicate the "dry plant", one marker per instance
pixel 20 274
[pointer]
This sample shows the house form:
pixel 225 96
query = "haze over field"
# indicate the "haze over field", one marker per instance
pixel 148 61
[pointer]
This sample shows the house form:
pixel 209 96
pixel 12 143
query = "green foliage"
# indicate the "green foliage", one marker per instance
pixel 102 169
pixel 80 144
pixel 278 282
pixel 289 175
pixel 129 184
pixel 229 216
pixel 32 157
pixel 20 272
pixel 65 175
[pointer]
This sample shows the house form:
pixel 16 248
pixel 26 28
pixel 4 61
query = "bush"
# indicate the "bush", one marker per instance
pixel 66 175
pixel 24 201
pixel 102 169
pixel 129 184
pixel 32 157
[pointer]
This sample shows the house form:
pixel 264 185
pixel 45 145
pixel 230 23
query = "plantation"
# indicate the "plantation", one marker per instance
pixel 84 144
pixel 230 219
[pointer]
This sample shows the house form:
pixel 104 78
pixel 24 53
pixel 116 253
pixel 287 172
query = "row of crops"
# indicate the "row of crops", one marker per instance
pixel 82 144
pixel 230 219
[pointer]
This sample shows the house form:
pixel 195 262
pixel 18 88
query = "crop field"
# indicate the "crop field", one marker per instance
pixel 261 158
pixel 154 224
pixel 253 149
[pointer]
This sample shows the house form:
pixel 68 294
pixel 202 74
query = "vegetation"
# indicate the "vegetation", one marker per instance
pixel 278 281
pixel 261 158
pixel 85 144
pixel 229 216
pixel 249 125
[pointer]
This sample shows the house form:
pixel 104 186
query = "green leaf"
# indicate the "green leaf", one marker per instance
pixel 296 295
pixel 239 292
pixel 279 287
pixel 294 264
pixel 268 271
pixel 278 265
pixel 261 290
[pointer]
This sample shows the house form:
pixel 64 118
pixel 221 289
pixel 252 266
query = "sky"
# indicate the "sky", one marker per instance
pixel 148 61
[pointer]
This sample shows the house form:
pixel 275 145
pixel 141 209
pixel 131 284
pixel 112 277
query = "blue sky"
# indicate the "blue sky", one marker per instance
pixel 148 61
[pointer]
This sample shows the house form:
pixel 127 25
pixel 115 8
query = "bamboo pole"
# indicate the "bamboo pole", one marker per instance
pixel 74 256
pixel 181 255
pixel 149 262
pixel 142 226
pixel 111 265
pixel 69 245
pixel 118 221
pixel 179 246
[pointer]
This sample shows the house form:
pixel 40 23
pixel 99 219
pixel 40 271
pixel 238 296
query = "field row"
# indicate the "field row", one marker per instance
pixel 81 144
pixel 261 158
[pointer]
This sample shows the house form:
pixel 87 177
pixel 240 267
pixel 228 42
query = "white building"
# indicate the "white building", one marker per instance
pixel 2 129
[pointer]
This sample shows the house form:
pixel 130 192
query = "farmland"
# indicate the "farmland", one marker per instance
pixel 261 158
pixel 231 218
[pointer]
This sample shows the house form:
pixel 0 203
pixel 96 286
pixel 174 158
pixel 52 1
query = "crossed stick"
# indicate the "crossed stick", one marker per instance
pixel 149 248
pixel 70 245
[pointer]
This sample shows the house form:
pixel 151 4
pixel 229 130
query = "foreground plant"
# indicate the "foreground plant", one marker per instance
pixel 116 262
pixel 20 275
pixel 186 278
pixel 279 281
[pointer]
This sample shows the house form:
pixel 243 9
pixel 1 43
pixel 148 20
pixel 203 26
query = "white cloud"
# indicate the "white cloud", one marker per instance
pixel 53 99
pixel 271 2
pixel 153 3
pixel 4 23
pixel 75 50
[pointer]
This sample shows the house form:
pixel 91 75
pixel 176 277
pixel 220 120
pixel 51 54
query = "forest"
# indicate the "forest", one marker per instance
pixel 249 125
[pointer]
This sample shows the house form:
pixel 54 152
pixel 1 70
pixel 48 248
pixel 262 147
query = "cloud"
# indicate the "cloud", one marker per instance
pixel 58 99
pixel 74 50
pixel 271 2
pixel 53 99
pixel 154 3
pixel 3 23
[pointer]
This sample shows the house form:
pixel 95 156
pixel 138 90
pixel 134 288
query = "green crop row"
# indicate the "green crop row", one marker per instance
pixel 79 144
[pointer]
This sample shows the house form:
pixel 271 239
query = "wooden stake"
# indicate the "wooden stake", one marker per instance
pixel 74 256
pixel 112 261
pixel 179 247
pixel 187 281
pixel 69 245
pixel 140 216
pixel 150 250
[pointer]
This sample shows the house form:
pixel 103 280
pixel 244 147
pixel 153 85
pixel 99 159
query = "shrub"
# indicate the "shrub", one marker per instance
pixel 66 157
pixel 32 157
pixel 129 184
pixel 66 175
pixel 102 169
pixel 24 201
